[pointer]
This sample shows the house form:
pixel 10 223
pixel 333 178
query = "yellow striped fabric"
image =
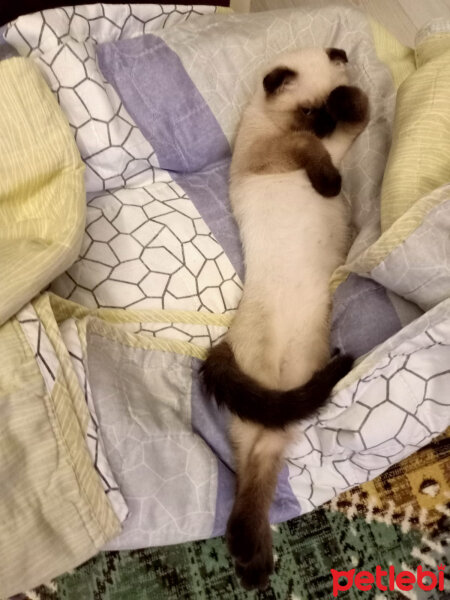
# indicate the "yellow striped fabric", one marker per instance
pixel 66 309
pixel 54 513
pixel 400 59
pixel 111 332
pixel 419 159
pixel 42 198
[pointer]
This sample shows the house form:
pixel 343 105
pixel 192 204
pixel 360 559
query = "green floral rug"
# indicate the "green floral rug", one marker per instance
pixel 399 520
pixel 306 550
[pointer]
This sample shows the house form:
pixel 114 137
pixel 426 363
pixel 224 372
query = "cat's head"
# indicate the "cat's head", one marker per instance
pixel 297 84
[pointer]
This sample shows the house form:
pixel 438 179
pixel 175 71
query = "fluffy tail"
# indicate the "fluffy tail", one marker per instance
pixel 274 409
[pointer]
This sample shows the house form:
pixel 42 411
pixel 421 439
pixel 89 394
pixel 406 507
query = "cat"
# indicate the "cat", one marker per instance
pixel 273 367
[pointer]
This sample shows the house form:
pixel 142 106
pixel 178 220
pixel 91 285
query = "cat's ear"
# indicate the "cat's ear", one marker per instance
pixel 274 81
pixel 337 55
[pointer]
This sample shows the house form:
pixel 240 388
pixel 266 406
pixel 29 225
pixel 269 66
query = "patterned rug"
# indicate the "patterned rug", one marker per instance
pixel 401 519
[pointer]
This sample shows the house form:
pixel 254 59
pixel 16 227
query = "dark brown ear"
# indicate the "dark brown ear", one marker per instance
pixel 337 54
pixel 273 81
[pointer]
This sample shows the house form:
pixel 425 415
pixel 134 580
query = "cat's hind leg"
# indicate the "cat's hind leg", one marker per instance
pixel 259 455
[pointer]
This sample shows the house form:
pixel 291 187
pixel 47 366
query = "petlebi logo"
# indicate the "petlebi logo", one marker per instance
pixel 388 579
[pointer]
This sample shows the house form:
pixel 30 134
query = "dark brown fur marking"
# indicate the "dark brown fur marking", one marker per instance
pixel 322 173
pixel 249 536
pixel 297 150
pixel 324 124
pixel 337 54
pixel 314 119
pixel 274 409
pixel 276 78
pixel 348 104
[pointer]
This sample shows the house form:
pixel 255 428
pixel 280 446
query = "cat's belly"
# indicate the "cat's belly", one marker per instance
pixel 286 226
pixel 293 239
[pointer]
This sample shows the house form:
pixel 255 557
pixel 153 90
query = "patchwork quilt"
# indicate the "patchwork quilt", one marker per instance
pixel 137 455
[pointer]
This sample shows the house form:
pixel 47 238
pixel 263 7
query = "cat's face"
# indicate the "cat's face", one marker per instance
pixel 299 83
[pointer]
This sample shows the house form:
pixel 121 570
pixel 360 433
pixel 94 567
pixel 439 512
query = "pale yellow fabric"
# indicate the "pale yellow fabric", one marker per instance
pixel 399 58
pixel 419 159
pixel 42 199
pixel 54 513
pixel 104 321
pixel 65 309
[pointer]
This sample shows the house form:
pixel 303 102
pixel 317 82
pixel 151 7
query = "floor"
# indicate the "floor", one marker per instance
pixel 402 17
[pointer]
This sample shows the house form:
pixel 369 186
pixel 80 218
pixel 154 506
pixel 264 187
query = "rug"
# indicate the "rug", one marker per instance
pixel 401 520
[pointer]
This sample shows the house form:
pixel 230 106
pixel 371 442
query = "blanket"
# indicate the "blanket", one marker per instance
pixel 120 338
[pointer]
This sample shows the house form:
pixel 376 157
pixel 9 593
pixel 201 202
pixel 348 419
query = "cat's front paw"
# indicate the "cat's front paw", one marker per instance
pixel 325 178
pixel 348 104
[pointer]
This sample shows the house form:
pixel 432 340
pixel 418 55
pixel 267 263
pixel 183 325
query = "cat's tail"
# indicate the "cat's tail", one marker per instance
pixel 250 401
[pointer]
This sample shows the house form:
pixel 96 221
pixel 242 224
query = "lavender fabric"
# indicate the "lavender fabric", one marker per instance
pixel 211 424
pixel 164 102
pixel 363 316
pixel 208 190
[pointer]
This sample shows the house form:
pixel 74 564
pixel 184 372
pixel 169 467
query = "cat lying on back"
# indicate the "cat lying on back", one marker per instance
pixel 274 366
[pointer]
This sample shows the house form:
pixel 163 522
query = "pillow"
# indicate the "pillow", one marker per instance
pixel 62 41
pixel 183 80
pixel 223 60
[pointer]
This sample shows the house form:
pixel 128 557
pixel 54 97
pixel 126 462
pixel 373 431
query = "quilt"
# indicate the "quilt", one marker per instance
pixel 120 336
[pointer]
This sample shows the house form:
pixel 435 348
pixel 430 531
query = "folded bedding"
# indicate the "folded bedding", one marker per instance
pixel 53 507
pixel 41 173
pixel 111 352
